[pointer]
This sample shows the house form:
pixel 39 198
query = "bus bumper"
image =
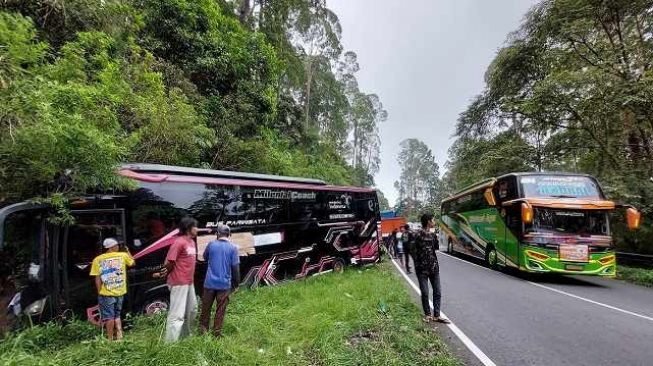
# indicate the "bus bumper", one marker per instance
pixel 538 260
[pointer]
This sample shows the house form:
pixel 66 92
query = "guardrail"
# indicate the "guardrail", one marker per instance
pixel 634 259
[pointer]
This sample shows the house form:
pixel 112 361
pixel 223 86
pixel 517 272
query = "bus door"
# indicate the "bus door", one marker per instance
pixel 81 242
pixel 510 227
pixel 513 233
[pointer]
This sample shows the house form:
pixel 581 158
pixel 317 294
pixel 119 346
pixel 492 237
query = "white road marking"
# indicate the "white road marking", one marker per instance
pixel 485 360
pixel 566 293
pixel 592 301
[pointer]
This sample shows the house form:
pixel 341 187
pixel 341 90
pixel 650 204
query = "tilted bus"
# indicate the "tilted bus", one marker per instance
pixel 535 222
pixel 285 228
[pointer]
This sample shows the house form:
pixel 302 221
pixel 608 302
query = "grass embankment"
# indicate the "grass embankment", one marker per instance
pixel 639 276
pixel 361 317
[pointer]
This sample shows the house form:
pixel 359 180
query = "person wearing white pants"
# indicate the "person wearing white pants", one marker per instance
pixel 182 312
pixel 180 267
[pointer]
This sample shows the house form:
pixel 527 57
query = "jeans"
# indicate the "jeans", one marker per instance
pixel 434 278
pixel 182 312
pixel 222 299
pixel 110 307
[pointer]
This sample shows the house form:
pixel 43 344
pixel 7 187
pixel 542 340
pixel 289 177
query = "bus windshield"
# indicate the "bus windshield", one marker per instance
pixel 559 186
pixel 570 222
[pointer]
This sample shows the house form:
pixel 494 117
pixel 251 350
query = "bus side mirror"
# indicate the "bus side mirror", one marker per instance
pixel 526 213
pixel 633 218
pixel 489 197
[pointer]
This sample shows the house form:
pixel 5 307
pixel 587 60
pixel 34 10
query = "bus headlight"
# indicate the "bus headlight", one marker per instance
pixel 35 308
pixel 536 255
pixel 607 259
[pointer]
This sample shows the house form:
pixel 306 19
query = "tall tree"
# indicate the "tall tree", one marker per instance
pixel 419 184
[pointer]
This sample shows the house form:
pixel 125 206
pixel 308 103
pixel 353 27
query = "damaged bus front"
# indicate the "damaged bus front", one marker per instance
pixel 24 243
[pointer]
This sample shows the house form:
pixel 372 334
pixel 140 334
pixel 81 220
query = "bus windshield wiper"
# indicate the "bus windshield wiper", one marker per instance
pixel 563 196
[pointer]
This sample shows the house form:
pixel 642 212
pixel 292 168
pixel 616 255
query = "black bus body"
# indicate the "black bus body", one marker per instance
pixel 286 228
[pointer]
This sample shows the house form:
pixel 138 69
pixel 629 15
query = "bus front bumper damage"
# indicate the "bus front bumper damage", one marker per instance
pixel 539 260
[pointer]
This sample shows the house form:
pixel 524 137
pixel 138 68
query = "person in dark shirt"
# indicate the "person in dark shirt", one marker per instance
pixel 393 244
pixel 407 239
pixel 427 268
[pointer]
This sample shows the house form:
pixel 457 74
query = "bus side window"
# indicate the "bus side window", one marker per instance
pixel 151 222
pixel 506 189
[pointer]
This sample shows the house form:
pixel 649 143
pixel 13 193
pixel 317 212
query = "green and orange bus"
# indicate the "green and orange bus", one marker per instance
pixel 535 222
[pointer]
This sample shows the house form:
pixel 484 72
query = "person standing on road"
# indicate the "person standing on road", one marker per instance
pixel 408 238
pixel 222 278
pixel 427 269
pixel 110 271
pixel 393 243
pixel 180 267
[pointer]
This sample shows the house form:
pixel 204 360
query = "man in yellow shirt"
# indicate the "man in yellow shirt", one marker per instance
pixel 110 271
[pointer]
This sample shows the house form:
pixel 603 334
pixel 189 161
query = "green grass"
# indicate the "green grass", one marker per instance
pixel 637 276
pixel 361 317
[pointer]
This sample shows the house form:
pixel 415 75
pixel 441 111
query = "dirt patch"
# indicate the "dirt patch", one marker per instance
pixel 314 358
pixel 363 337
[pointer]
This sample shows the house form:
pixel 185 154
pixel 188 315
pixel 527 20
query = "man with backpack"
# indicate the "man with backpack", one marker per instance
pixel 428 269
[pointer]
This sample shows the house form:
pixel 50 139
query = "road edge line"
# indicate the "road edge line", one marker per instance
pixel 473 348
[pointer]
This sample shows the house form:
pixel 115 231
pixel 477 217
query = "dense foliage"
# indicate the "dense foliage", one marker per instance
pixel 259 86
pixel 572 90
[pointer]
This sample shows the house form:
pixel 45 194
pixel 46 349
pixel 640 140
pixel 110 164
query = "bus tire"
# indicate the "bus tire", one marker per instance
pixel 155 306
pixel 491 257
pixel 338 265
pixel 450 246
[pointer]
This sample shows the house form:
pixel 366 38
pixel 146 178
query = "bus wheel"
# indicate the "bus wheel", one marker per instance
pixel 155 306
pixel 338 265
pixel 491 258
pixel 450 246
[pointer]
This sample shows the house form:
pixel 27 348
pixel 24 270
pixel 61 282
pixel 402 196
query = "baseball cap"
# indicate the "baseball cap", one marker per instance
pixel 109 242
pixel 223 230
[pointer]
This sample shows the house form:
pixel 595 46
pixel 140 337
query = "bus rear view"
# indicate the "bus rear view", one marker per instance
pixel 536 222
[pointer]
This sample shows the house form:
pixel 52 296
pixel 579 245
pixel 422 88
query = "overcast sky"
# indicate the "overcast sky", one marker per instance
pixel 425 59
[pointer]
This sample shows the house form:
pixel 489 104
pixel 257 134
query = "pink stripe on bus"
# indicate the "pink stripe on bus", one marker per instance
pixel 165 241
pixel 158 178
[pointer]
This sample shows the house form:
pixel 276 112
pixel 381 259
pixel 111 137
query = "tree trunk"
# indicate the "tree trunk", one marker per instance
pixel 244 11
pixel 355 149
pixel 309 81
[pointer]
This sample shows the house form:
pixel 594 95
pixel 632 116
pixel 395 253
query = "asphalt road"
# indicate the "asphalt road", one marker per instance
pixel 565 320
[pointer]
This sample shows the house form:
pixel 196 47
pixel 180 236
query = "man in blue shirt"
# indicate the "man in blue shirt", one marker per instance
pixel 222 278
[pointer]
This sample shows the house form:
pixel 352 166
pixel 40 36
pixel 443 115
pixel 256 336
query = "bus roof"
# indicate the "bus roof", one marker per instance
pixel 163 173
pixel 520 174
pixel 490 181
pixel 177 170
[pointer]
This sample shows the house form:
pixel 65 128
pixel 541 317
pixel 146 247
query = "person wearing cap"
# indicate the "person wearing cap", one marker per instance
pixel 222 278
pixel 110 272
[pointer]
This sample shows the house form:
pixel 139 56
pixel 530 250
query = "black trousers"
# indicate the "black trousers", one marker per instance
pixel 424 279
pixel 407 258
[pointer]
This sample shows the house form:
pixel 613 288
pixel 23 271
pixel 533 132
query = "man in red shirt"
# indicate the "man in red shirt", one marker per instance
pixel 180 266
